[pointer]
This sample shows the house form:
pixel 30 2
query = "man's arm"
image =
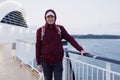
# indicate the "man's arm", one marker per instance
pixel 38 46
pixel 38 50
pixel 71 40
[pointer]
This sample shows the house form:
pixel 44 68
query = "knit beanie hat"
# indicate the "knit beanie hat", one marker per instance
pixel 50 12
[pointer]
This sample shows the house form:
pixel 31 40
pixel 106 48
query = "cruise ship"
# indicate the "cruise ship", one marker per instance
pixel 17 51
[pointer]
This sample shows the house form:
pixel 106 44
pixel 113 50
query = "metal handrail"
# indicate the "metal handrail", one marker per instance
pixel 96 57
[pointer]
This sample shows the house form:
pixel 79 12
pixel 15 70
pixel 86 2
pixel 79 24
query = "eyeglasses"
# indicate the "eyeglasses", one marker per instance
pixel 50 16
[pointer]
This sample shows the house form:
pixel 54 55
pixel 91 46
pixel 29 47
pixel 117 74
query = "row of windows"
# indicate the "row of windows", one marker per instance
pixel 14 18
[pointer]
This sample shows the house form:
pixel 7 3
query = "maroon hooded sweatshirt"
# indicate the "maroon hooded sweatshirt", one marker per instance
pixel 50 49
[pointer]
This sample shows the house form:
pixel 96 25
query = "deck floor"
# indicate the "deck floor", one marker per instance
pixel 10 68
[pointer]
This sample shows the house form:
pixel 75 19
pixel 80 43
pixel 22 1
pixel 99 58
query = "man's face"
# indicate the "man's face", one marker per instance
pixel 50 19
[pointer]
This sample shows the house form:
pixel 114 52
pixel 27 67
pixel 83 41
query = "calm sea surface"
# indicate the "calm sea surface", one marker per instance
pixel 103 47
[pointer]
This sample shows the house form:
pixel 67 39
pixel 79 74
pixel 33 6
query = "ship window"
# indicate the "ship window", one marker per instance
pixel 14 18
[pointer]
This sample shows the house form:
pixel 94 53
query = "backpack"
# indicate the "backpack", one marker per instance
pixel 43 31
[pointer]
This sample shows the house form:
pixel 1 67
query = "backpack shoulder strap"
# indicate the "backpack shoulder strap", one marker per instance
pixel 58 29
pixel 42 32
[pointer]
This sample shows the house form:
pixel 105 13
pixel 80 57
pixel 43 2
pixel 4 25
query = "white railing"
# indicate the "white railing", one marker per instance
pixel 25 50
pixel 86 71
pixel 74 69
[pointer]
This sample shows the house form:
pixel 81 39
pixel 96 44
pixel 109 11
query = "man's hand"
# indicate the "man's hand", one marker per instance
pixel 39 67
pixel 82 52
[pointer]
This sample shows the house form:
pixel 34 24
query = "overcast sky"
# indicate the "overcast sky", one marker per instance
pixel 77 16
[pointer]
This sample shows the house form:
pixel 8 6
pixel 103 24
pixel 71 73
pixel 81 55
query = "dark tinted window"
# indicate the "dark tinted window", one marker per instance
pixel 14 18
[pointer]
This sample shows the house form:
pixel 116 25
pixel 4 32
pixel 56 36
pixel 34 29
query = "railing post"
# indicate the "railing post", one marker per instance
pixel 108 68
pixel 66 65
pixel 67 68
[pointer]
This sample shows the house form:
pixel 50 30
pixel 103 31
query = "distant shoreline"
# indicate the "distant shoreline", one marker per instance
pixel 92 36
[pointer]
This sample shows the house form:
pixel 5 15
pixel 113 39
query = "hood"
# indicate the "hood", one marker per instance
pixel 50 10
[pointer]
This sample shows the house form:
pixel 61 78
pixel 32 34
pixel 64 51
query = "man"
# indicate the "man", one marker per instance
pixel 49 50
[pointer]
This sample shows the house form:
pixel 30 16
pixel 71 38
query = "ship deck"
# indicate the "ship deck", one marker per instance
pixel 11 67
